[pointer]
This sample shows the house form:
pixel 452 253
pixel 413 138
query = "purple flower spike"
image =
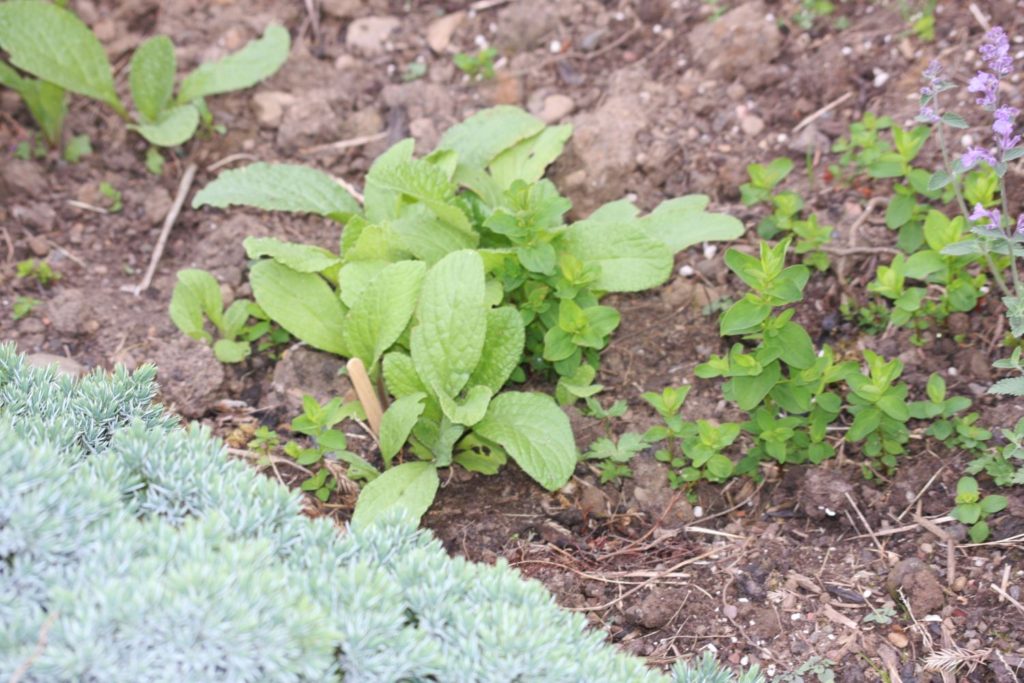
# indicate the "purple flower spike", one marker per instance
pixel 995 52
pixel 1003 127
pixel 973 156
pixel 1020 225
pixel 986 84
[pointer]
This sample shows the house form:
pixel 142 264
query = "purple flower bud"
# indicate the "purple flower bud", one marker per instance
pixel 1020 225
pixel 933 74
pixel 1003 127
pixel 986 84
pixel 928 115
pixel 974 155
pixel 991 216
pixel 995 52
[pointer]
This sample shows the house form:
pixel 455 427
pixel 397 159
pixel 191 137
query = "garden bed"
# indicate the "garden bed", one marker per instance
pixel 667 98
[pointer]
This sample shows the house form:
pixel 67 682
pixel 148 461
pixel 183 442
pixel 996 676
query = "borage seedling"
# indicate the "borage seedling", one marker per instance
pixel 197 298
pixel 457 274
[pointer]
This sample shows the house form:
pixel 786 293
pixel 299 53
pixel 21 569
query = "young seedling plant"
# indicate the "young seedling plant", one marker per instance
pixel 457 274
pixel 61 54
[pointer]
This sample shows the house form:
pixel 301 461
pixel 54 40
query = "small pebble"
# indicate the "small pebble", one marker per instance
pixel 898 639
pixel 730 611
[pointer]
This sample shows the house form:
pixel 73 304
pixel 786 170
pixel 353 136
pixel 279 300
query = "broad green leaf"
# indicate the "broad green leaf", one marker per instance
pixel 411 485
pixel 993 504
pixel 9 78
pixel 487 462
pixel 743 315
pixel 304 258
pixel 630 260
pixel 397 424
pixel 678 225
pixel 924 264
pixel 936 388
pixel 378 317
pixel 175 127
pixel 152 77
pixel 196 294
pixel 355 277
pixel 48 105
pixel 488 133
pixel 427 237
pixel 451 324
pixel 979 532
pixel 420 180
pixel 279 187
pixel 302 303
pixel 1010 386
pixel 798 349
pixel 45 102
pixel 54 45
pixel 468 411
pixel 400 375
pixel 502 350
pixel 229 351
pixel 535 432
pixel 256 61
pixel 865 422
pixel 529 159
pixel 749 390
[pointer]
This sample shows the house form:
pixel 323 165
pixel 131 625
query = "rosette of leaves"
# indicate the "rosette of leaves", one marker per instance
pixel 482 189
pixel 446 375
pixel 63 55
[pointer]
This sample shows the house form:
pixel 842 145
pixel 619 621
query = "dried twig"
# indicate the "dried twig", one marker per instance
pixel 864 521
pixel 673 568
pixel 179 200
pixel 230 159
pixel 344 144
pixel 811 118
pixel 1013 601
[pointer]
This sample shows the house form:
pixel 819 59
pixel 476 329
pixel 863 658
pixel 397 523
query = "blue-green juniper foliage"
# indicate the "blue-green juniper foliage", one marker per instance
pixel 134 549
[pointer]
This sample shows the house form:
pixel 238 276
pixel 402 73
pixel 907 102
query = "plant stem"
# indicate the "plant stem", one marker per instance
pixel 957 190
pixel 1009 242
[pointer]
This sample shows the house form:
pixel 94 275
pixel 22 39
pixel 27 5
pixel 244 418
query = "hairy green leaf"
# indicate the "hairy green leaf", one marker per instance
pixel 678 224
pixel 302 303
pixel 152 77
pixel 630 260
pixel 175 127
pixel 535 432
pixel 400 375
pixel 503 347
pixel 256 61
pixel 48 106
pixel 56 46
pixel 196 294
pixel 403 176
pixel 380 315
pixel 527 160
pixel 304 258
pixel 488 133
pixel 397 423
pixel 448 339
pixel 279 187
pixel 468 411
pixel 411 485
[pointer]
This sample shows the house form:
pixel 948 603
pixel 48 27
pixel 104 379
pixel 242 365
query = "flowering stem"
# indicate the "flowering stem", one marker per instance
pixel 1008 241
pixel 996 275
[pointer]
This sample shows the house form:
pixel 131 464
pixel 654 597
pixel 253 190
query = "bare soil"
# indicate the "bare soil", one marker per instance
pixel 668 98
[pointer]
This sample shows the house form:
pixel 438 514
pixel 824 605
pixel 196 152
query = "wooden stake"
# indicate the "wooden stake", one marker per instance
pixel 364 390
